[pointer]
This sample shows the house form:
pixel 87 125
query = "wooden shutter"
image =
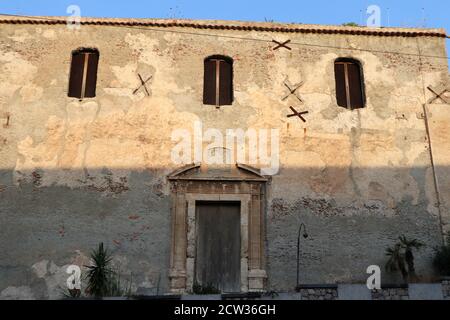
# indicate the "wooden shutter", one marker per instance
pixel 349 88
pixel 339 74
pixel 355 88
pixel 76 75
pixel 209 82
pixel 226 83
pixel 91 76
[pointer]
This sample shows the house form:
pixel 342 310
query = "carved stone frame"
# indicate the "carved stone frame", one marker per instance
pixel 187 190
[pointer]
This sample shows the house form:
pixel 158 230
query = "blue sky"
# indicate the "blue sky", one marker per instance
pixel 412 13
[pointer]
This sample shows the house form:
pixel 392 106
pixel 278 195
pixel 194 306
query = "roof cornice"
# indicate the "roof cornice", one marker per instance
pixel 230 25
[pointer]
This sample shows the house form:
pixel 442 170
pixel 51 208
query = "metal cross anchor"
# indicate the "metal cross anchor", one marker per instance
pixel 438 95
pixel 281 45
pixel 7 117
pixel 296 113
pixel 143 84
pixel 292 91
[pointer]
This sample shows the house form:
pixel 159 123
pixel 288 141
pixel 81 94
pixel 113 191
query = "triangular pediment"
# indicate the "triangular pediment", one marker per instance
pixel 238 172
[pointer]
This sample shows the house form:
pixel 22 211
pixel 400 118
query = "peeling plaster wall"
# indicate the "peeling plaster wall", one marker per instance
pixel 439 120
pixel 74 173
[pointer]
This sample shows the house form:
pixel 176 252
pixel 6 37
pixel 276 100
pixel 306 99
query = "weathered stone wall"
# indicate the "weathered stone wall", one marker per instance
pixel 319 294
pixel 75 173
pixel 390 294
pixel 446 289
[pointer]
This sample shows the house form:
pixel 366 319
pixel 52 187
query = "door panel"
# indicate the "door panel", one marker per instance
pixel 218 245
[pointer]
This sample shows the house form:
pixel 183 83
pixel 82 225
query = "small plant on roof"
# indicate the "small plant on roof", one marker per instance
pixel 350 24
pixel 401 257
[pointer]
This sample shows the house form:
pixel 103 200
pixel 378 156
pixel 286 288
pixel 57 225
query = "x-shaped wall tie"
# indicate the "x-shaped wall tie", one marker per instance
pixel 143 85
pixel 7 117
pixel 292 91
pixel 281 45
pixel 439 94
pixel 298 114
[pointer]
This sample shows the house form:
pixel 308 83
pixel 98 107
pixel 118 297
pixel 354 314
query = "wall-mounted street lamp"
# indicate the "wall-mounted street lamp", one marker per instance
pixel 305 235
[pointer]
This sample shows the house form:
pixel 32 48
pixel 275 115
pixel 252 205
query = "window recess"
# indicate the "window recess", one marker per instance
pixel 218 81
pixel 349 84
pixel 83 73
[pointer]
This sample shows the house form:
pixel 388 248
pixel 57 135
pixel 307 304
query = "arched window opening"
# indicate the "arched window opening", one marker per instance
pixel 83 73
pixel 349 83
pixel 218 81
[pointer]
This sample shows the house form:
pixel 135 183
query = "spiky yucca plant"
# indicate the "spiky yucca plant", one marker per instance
pixel 99 273
pixel 401 257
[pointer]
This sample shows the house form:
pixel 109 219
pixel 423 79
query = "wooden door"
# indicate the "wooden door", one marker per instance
pixel 218 245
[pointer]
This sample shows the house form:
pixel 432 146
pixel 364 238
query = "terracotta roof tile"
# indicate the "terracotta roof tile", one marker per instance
pixel 231 25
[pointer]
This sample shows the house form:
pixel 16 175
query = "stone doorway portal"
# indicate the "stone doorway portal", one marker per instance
pixel 218 243
pixel 243 186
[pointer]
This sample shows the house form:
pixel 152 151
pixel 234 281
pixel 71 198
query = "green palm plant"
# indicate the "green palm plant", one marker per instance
pixel 441 261
pixel 396 261
pixel 401 257
pixel 99 273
